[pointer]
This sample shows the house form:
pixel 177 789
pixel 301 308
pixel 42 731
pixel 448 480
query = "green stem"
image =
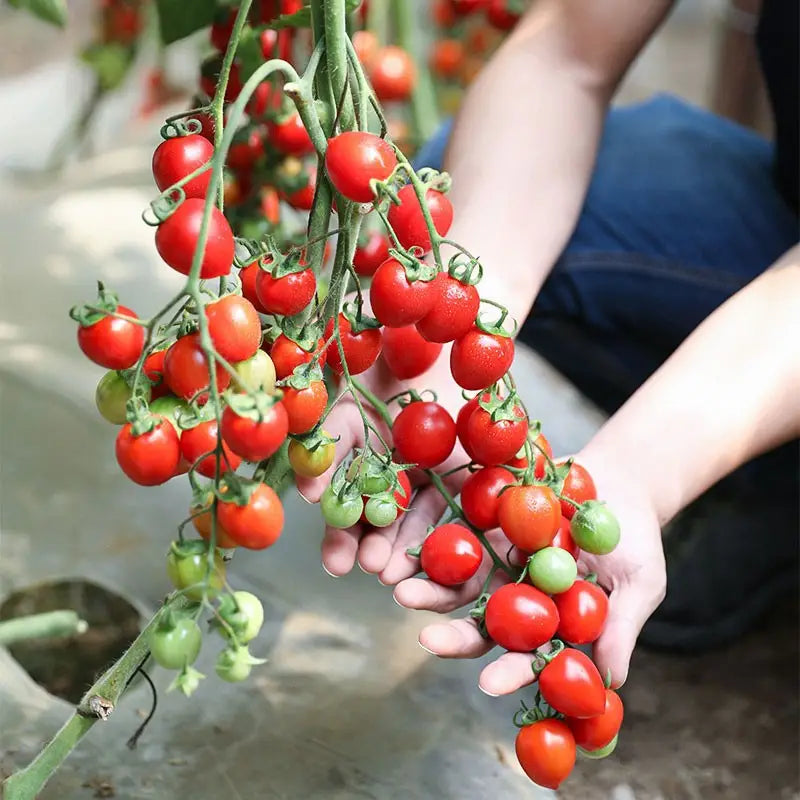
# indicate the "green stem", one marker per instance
pixel 335 15
pixel 373 400
pixel 37 626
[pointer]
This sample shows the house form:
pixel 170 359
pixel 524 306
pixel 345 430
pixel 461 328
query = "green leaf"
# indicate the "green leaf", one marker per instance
pixel 180 18
pixel 110 63
pixel 52 11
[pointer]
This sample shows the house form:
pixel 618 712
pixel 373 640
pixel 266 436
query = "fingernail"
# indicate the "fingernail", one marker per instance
pixel 397 601
pixel 426 649
pixel 362 568
pixel 382 582
pixel 329 572
pixel 488 694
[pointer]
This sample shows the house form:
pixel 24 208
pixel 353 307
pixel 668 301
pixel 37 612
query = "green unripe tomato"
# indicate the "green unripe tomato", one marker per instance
pixel 174 645
pixel 340 513
pixel 250 616
pixel 380 511
pixel 553 570
pixel 234 664
pixel 595 528
pixel 368 484
pixel 256 372
pixel 111 395
pixel 187 567
pixel 602 752
pixel 170 407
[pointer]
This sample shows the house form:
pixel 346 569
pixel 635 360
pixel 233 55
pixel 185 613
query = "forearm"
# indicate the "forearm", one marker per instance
pixel 729 393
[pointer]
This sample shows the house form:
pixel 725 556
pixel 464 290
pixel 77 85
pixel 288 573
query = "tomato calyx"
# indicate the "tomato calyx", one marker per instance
pixel 315 438
pixel 497 328
pixel 88 314
pixel 235 489
pixel 415 269
pixel 500 408
pixel 412 396
pixel 465 269
pixel 528 715
pixel 181 125
pixel 541 660
pixel 305 335
pixel 163 207
pixel 252 406
pixel 359 321
pixel 373 475
pixel 187 680
pixel 303 376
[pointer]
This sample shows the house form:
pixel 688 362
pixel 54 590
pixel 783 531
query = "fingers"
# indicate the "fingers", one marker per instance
pixel 458 638
pixel 426 595
pixel 507 674
pixel 339 548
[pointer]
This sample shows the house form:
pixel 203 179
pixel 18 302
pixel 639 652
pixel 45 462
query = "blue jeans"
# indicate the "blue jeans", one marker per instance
pixel 681 213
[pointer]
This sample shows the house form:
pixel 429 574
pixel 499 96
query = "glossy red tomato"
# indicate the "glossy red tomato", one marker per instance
pixel 353 159
pixel 153 368
pixel 287 354
pixel 520 618
pixel 443 14
pixel 579 487
pixel 150 458
pixel 360 349
pixel 264 97
pixel 256 525
pixel 186 370
pixel 176 158
pixel 255 439
pixel 480 496
pixel 451 554
pixel 464 7
pixel 453 312
pixel 271 205
pixel 546 752
pixel 177 237
pixel 406 353
pixel 221 31
pixel 447 57
pixel 592 733
pixel 202 439
pixel 500 16
pixel 408 221
pixel 248 275
pixel 571 684
pixel 582 612
pixel 395 300
pixel 371 254
pixel 234 327
pixel 366 45
pixel 424 434
pixel 304 407
pixel 288 295
pixel 392 74
pixel 289 137
pixel 243 154
pixel 564 540
pixel 520 460
pixel 465 412
pixel 496 442
pixel 303 198
pixel 478 359
pixel 529 516
pixel 112 342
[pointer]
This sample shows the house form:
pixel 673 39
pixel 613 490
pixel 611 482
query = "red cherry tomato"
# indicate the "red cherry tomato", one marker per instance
pixel 369 256
pixel 571 684
pixel 406 353
pixel 424 434
pixel 271 205
pixel 495 442
pixel 234 327
pixel 287 354
pixel 520 618
pixel 520 461
pixel 478 359
pixel 529 516
pixel 221 31
pixel 303 198
pixel 244 153
pixel 153 368
pixel 395 300
pixel 451 554
pixel 408 221
pixel 546 752
pixel 453 312
pixel 392 74
pixel 564 540
pixel 255 439
pixel 592 733
pixel 366 45
pixel 582 612
pixel 353 159
pixel 465 7
pixel 150 458
pixel 176 158
pixel 447 57
pixel 499 15
pixel 248 275
pixel 256 525
pixel 361 349
pixel 578 487
pixel 186 370
pixel 112 342
pixel 289 136
pixel 443 14
pixel 177 237
pixel 462 420
pixel 288 295
pixel 202 439
pixel 304 407
pixel 263 98
pixel 480 496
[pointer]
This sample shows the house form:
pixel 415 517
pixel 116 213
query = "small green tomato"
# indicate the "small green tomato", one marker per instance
pixel 595 528
pixel 552 570
pixel 111 395
pixel 380 511
pixel 340 512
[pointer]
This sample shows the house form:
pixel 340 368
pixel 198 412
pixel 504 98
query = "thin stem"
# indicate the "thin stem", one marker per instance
pixel 38 626
pixel 334 14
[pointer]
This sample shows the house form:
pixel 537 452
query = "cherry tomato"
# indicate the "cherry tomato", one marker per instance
pixel 500 16
pixel 564 540
pixel 188 569
pixel 111 397
pixel 256 372
pixel 446 58
pixel 392 74
pixel 186 371
pixel 571 684
pixel 263 98
pixel 401 498
pixel 271 205
pixel 256 525
pixel 353 159
pixel 288 295
pixel 465 7
pixel 451 554
pixel 408 221
pixel 255 439
pixel 365 43
pixel 529 516
pixel 248 617
pixel 303 198
pixel 595 529
pixel 424 434
pixel 111 342
pixel 406 353
pixel 286 355
pixel 594 733
pixel 202 524
pixel 177 237
pixel 150 458
pixel 370 255
pixel 578 487
pixel 153 368
pixel 582 611
pixel 480 496
pixel 464 414
pixel 453 312
pixel 234 327
pixel 244 153
pixel 379 511
pixel 546 752
pixel 304 407
pixel 552 570
pixel 310 463
pixel 221 30
pixel 248 275
pixel 495 442
pixel 361 349
pixel 171 408
pixel 340 512
pixel 289 136
pixel 202 439
pixel 520 618
pixel 395 300
pixel 479 359
pixel 443 14
pixel 176 158
pixel 176 645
